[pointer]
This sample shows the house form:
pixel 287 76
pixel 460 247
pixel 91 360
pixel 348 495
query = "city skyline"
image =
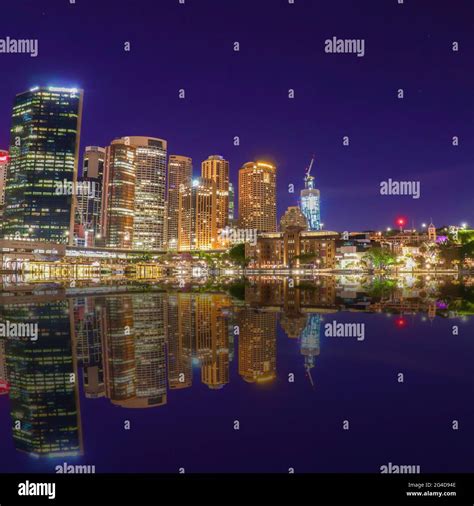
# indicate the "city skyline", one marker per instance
pixel 412 141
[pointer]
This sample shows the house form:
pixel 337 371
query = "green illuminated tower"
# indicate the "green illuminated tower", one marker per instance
pixel 40 186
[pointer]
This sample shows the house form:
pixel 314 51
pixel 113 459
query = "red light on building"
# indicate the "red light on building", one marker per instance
pixel 401 221
pixel 4 158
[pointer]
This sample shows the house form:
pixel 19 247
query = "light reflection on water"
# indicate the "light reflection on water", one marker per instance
pixel 182 364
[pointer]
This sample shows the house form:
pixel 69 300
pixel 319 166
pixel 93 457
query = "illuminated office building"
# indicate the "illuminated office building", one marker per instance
pixel 150 192
pixel 216 169
pixel 40 197
pixel 89 200
pixel 197 221
pixel 257 197
pixel 119 204
pixel 180 172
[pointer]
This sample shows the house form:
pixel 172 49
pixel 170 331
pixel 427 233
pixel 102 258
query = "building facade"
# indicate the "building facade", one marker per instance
pixel 89 200
pixel 257 197
pixel 40 189
pixel 119 204
pixel 216 169
pixel 293 217
pixel 311 203
pixel 180 172
pixel 150 192
pixel 197 216
pixel 3 176
pixel 294 248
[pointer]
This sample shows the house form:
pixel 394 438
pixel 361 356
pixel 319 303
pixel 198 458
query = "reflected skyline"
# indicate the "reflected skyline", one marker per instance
pixel 138 349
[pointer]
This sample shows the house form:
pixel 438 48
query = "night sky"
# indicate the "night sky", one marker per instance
pixel 245 93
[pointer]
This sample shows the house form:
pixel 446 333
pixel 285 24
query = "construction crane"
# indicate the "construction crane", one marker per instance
pixel 308 171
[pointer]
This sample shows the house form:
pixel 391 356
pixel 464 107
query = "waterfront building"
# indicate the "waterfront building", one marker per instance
pixel 216 169
pixel 119 204
pixel 150 192
pixel 197 221
pixel 293 217
pixel 3 177
pixel 292 248
pixel 89 199
pixel 257 196
pixel 40 197
pixel 180 172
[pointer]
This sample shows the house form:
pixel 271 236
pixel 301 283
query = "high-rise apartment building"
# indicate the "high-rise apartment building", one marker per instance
pixel 40 188
pixel 216 169
pixel 180 172
pixel 119 204
pixel 257 196
pixel 197 216
pixel 150 192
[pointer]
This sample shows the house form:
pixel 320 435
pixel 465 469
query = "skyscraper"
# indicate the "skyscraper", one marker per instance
pixel 197 221
pixel 39 197
pixel 231 204
pixel 3 177
pixel 3 181
pixel 150 192
pixel 119 204
pixel 257 196
pixel 310 202
pixel 180 172
pixel 216 169
pixel 89 200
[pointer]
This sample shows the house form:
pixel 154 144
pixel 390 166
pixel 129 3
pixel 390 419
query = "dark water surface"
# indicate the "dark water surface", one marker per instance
pixel 240 377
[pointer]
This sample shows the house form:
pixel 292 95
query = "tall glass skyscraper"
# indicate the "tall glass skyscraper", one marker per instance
pixel 39 194
pixel 310 204
pixel 89 201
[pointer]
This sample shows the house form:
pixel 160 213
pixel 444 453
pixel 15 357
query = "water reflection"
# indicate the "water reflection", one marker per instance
pixel 136 345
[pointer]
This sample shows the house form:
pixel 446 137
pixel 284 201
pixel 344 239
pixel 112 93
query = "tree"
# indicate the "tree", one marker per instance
pixel 237 255
pixel 380 258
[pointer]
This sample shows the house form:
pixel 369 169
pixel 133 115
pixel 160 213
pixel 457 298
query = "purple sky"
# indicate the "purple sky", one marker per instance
pixel 246 93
